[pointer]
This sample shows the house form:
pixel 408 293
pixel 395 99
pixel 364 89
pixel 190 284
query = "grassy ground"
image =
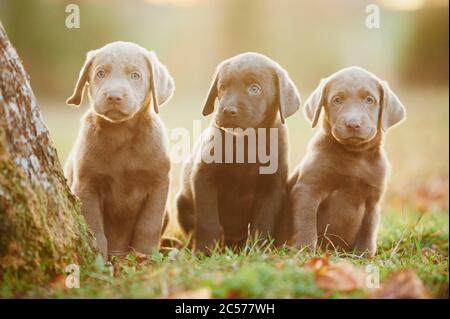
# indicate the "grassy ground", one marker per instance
pixel 413 235
pixel 411 241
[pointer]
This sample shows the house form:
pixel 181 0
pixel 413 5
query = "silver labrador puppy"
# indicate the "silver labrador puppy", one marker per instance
pixel 336 191
pixel 119 165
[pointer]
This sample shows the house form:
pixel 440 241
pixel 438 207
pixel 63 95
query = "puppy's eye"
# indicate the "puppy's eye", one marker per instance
pixel 337 100
pixel 135 76
pixel 222 86
pixel 370 100
pixel 101 74
pixel 254 89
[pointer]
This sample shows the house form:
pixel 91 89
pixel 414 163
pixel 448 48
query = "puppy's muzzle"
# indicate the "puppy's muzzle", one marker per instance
pixel 229 111
pixel 114 105
pixel 114 98
pixel 227 116
pixel 352 130
pixel 352 125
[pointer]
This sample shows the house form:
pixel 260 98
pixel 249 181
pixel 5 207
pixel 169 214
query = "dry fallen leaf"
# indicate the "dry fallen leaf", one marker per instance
pixel 201 293
pixel 428 253
pixel 59 282
pixel 434 192
pixel 318 264
pixel 233 294
pixel 402 284
pixel 342 276
pixel 280 265
pixel 140 257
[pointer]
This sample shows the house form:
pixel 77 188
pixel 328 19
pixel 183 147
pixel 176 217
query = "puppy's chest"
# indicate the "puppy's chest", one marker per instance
pixel 349 185
pixel 238 176
pixel 133 154
pixel 357 173
pixel 126 169
pixel 351 188
pixel 130 160
pixel 343 206
pixel 239 187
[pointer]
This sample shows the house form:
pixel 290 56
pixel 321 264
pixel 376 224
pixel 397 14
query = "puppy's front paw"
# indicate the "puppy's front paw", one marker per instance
pixel 100 242
pixel 303 243
pixel 205 246
pixel 367 250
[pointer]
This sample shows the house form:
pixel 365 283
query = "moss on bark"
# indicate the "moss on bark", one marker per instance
pixel 41 227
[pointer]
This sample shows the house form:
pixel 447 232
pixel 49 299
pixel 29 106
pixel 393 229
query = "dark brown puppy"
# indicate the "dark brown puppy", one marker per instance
pixel 223 201
pixel 336 191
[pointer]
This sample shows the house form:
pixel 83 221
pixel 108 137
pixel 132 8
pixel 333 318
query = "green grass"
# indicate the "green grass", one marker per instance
pixel 405 241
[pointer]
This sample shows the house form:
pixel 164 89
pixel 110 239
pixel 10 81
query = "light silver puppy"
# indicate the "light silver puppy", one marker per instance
pixel 119 165
pixel 336 191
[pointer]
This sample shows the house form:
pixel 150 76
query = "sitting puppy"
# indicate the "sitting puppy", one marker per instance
pixel 224 201
pixel 335 193
pixel 119 165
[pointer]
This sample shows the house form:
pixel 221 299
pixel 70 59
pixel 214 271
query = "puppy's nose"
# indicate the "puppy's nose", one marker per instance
pixel 229 111
pixel 352 125
pixel 114 98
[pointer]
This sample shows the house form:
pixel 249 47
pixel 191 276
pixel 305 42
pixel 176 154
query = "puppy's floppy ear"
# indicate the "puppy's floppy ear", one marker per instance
pixel 289 98
pixel 315 102
pixel 77 95
pixel 161 83
pixel 392 110
pixel 208 107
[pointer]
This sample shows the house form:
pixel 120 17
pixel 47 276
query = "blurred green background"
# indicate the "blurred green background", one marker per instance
pixel 311 39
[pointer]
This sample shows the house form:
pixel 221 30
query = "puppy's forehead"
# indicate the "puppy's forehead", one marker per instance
pixel 120 53
pixel 354 79
pixel 247 65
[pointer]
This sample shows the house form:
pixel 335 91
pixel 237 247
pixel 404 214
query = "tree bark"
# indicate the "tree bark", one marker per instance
pixel 41 228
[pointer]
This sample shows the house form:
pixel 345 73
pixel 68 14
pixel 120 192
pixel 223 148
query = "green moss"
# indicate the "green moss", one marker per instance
pixel 39 237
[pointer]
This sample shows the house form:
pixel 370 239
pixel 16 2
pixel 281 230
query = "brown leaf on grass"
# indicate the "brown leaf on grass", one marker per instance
pixel 233 294
pixel 59 282
pixel 342 276
pixel 402 284
pixel 140 257
pixel 434 192
pixel 428 252
pixel 318 264
pixel 201 293
pixel 422 204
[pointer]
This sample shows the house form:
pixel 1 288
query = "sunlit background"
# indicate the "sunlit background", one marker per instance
pixel 311 39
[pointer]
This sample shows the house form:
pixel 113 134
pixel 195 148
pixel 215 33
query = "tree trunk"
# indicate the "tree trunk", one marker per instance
pixel 41 228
